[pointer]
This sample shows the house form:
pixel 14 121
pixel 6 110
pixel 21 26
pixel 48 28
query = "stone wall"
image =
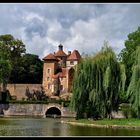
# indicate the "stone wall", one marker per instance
pixel 40 110
pixel 18 90
pixel 24 110
pixel 33 110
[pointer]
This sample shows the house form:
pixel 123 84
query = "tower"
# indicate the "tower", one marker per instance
pixel 61 56
pixel 49 67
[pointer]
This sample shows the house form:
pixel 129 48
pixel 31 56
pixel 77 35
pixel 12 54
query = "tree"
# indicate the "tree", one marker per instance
pixel 5 65
pixel 15 49
pixel 25 68
pixel 127 56
pixel 32 68
pixel 16 46
pixel 133 91
pixel 5 70
pixel 97 84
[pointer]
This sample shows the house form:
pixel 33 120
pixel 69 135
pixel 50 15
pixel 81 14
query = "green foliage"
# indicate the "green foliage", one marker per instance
pixel 24 68
pixel 24 101
pixel 97 84
pixel 5 65
pixel 119 122
pixel 12 50
pixel 133 91
pixel 126 110
pixel 15 46
pixel 29 70
pixel 123 97
pixel 127 55
pixel 5 69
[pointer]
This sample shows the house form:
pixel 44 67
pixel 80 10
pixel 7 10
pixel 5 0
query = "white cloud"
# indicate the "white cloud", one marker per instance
pixel 85 27
pixel 30 16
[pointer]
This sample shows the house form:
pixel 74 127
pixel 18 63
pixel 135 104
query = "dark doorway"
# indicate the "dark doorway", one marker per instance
pixel 53 112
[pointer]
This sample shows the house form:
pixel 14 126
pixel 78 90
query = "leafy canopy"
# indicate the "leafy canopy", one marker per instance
pixel 133 91
pixel 97 84
pixel 127 55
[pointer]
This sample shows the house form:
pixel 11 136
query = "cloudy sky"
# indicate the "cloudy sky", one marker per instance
pixel 42 27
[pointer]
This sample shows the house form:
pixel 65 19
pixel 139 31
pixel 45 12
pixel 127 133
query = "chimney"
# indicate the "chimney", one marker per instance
pixel 69 52
pixel 60 47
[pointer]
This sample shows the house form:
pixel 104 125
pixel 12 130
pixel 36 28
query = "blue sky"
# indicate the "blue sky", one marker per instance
pixel 42 27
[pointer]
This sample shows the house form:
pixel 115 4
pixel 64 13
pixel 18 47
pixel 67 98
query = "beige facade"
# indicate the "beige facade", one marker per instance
pixel 48 70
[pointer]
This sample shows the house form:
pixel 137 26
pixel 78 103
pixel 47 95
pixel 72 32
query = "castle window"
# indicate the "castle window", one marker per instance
pixel 48 78
pixel 49 86
pixel 71 62
pixel 49 71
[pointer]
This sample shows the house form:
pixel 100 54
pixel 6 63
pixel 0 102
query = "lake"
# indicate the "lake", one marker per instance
pixel 29 126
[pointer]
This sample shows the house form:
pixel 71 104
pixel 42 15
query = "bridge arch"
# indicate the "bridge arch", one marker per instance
pixel 53 110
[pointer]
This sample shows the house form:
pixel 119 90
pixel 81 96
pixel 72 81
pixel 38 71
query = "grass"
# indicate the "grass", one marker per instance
pixel 126 122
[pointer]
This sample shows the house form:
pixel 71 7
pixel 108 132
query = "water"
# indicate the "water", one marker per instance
pixel 23 126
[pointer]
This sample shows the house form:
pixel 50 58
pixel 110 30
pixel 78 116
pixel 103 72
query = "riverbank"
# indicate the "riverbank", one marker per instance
pixel 106 123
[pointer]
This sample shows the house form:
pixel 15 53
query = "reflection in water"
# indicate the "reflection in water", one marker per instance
pixel 23 126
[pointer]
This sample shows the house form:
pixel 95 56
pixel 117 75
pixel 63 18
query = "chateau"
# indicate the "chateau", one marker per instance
pixel 58 71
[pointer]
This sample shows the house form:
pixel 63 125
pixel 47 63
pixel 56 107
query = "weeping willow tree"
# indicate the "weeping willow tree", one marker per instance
pixel 97 84
pixel 133 91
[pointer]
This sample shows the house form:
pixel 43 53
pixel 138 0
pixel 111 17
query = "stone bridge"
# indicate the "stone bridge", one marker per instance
pixel 37 110
pixel 54 109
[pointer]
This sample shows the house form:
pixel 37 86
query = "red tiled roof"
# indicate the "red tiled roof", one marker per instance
pixel 74 55
pixel 60 53
pixel 50 57
pixel 60 74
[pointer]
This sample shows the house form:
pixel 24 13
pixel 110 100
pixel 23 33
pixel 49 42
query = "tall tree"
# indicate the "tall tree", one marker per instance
pixel 133 91
pixel 5 65
pixel 24 68
pixel 127 54
pixel 97 84
pixel 16 49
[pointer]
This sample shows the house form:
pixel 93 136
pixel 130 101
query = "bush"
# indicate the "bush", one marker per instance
pixel 133 113
pixel 128 111
pixel 23 101
pixel 125 108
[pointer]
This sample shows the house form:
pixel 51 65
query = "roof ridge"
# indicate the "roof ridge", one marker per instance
pixel 75 55
pixel 50 56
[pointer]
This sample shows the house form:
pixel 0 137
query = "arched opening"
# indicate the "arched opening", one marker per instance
pixel 53 112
